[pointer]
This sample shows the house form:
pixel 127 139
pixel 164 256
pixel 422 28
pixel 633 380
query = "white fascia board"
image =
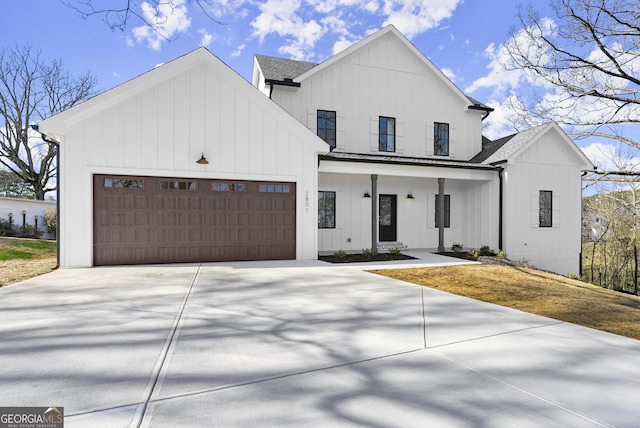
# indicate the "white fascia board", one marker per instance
pixel 363 168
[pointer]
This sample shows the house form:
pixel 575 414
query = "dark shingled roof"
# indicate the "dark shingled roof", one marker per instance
pixel 280 69
pixel 490 147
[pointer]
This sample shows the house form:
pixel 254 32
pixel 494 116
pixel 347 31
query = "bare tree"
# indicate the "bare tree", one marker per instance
pixel 588 62
pixel 118 14
pixel 31 90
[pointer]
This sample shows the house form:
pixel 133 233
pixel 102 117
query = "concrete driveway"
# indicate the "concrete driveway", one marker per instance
pixel 299 344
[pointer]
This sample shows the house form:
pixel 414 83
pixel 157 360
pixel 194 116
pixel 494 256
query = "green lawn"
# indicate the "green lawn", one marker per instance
pixel 17 248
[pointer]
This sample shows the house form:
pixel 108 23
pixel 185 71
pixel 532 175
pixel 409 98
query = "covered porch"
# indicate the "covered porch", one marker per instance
pixel 381 202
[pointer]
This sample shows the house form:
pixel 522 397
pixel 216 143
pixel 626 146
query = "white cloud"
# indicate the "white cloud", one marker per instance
pixel 166 21
pixel 206 38
pixel 417 16
pixel 281 17
pixel 449 73
pixel 498 77
pixel 238 51
pixel 302 25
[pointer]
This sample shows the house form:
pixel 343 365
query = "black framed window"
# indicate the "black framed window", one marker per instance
pixel 326 210
pixel 387 134
pixel 441 139
pixel 327 127
pixel 546 208
pixel 447 211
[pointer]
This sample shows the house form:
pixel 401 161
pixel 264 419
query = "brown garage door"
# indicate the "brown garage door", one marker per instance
pixel 166 220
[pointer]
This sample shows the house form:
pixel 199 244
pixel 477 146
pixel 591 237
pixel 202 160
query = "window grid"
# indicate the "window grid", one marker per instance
pixel 228 187
pixel 178 185
pixel 121 183
pixel 274 188
pixel 326 210
pixel 326 122
pixel 447 211
pixel 546 208
pixel 387 134
pixel 441 139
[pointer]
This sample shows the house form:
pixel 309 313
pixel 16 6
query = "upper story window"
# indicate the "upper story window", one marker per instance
pixel 441 139
pixel 327 127
pixel 546 208
pixel 387 134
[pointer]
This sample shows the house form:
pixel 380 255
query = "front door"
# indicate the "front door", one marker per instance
pixel 387 227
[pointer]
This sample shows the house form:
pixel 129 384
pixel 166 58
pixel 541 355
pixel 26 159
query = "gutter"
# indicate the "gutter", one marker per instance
pixel 487 110
pixel 287 81
pixel 50 140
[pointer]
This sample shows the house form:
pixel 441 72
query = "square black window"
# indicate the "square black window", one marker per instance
pixel 326 210
pixel 327 127
pixel 447 210
pixel 387 134
pixel 441 139
pixel 546 208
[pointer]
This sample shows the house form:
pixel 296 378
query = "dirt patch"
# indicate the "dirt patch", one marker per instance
pixel 12 271
pixel 357 258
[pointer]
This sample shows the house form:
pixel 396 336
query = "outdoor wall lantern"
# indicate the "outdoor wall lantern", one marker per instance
pixel 10 219
pixel 410 195
pixel 24 217
pixel 366 194
pixel 202 160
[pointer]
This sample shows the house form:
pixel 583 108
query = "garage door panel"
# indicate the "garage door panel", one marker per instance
pixel 166 220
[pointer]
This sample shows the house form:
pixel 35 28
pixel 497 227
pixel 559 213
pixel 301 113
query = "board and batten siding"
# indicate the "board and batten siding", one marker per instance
pixel 162 122
pixel 474 212
pixel 544 165
pixel 385 78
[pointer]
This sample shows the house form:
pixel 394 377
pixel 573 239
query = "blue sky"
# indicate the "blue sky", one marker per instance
pixel 461 37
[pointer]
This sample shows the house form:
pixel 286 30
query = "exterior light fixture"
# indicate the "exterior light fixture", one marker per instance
pixel 202 160
pixel 410 195
pixel 366 194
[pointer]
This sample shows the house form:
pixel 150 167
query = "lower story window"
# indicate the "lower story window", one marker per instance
pixel 447 211
pixel 326 210
pixel 546 208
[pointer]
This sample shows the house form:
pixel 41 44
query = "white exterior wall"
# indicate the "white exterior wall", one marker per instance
pixel 161 123
pixel 474 211
pixel 545 165
pixel 385 78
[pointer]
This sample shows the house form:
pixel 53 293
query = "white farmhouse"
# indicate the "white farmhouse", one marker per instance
pixel 406 149
pixel 373 147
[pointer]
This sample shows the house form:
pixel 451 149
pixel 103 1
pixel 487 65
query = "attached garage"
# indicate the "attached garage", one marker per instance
pixel 134 189
pixel 168 220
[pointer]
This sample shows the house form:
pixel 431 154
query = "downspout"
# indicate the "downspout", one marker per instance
pixel 47 139
pixel 500 202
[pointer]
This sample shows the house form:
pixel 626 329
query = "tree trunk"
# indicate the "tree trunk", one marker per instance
pixel 635 266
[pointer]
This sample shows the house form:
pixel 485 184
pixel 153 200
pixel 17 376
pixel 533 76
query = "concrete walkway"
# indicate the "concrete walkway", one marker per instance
pixel 297 344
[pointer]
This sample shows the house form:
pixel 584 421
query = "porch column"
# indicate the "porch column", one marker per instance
pixel 374 213
pixel 440 209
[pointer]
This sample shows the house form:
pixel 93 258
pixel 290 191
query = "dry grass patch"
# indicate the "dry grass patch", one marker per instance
pixel 535 292
pixel 21 259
